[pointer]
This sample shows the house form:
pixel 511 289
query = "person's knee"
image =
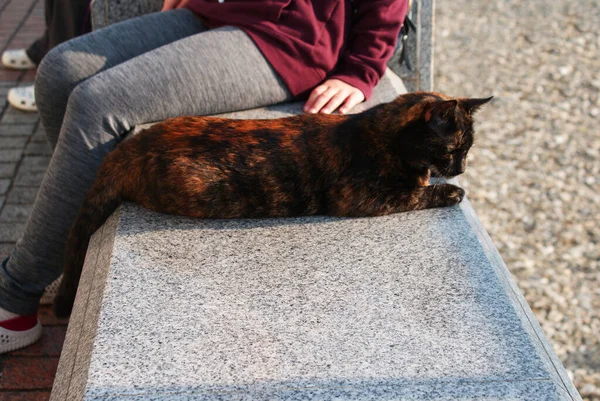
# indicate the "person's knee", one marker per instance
pixel 83 118
pixel 54 79
pixel 93 109
pixel 64 68
pixel 85 101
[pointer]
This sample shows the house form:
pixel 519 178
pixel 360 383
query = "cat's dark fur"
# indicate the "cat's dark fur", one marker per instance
pixel 369 164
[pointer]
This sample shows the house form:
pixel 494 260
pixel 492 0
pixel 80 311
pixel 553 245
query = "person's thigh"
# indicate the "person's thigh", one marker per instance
pixel 211 72
pixel 76 60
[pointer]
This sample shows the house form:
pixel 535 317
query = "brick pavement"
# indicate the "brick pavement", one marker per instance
pixel 25 375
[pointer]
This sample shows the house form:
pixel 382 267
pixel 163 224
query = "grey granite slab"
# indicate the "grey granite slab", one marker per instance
pixel 71 376
pixel 408 306
pixel 106 12
pixel 417 70
pixel 426 44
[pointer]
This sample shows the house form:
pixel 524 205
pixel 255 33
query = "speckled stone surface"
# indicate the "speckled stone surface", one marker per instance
pixel 409 306
pixel 417 72
pixel 71 377
pixel 426 38
pixel 106 12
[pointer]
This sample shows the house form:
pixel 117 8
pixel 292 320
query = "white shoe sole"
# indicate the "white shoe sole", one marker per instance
pixel 21 103
pixel 14 340
pixel 17 60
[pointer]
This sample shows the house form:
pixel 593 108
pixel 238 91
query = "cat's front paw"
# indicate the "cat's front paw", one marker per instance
pixel 454 195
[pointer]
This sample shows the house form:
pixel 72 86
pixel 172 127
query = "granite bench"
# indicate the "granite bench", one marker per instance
pixel 413 306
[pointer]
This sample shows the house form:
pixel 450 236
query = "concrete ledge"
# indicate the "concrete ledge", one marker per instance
pixel 410 306
pixel 71 377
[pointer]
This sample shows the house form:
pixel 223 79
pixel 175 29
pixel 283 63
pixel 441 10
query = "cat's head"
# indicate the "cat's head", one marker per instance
pixel 442 130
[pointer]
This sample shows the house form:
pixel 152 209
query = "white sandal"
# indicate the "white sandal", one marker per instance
pixel 22 98
pixel 17 60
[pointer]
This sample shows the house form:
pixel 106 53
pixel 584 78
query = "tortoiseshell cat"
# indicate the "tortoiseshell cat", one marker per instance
pixel 369 164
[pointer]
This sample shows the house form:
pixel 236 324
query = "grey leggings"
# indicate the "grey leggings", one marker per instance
pixel 91 91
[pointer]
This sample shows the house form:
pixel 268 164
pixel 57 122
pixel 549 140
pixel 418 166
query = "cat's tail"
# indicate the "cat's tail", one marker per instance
pixel 101 201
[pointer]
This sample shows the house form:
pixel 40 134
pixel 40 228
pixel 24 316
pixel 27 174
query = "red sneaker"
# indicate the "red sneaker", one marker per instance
pixel 19 332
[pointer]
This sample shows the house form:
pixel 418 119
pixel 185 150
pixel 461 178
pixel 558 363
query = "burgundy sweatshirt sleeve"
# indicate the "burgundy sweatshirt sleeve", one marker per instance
pixel 375 28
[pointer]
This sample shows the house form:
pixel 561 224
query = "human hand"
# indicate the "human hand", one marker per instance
pixel 173 4
pixel 332 93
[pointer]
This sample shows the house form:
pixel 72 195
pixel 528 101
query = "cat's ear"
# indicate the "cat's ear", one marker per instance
pixel 472 105
pixel 440 111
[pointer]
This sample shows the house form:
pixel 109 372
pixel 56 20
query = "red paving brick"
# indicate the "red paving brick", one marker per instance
pixel 25 373
pixel 28 374
pixel 25 396
pixel 47 317
pixel 29 76
pixel 19 43
pixel 9 75
pixel 50 344
pixel 11 19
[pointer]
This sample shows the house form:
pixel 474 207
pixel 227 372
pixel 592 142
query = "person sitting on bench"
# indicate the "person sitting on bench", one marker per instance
pixel 196 57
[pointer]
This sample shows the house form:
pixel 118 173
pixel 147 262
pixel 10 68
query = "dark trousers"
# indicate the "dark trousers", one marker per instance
pixel 65 19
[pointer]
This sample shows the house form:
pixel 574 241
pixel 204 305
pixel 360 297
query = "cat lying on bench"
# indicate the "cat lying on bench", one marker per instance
pixel 369 164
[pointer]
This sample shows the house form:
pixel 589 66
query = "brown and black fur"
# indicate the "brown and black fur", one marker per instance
pixel 369 164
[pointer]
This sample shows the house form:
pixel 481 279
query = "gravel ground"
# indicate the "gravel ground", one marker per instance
pixel 534 173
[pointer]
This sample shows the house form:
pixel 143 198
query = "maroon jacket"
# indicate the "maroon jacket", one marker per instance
pixel 308 41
